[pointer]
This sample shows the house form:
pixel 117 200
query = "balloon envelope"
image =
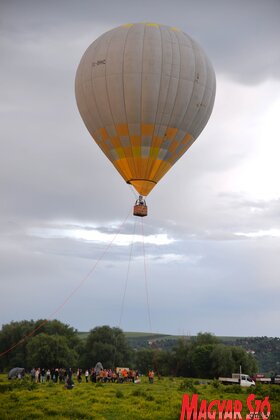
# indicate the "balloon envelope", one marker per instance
pixel 145 92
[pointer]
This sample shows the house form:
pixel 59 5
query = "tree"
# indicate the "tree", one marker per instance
pixel 50 351
pixel 107 345
pixel 201 361
pixel 205 338
pixel 56 327
pixel 163 362
pixel 144 360
pixel 222 361
pixel 241 358
pixel 205 357
pixel 182 358
pixel 23 331
pixel 158 360
pixel 10 335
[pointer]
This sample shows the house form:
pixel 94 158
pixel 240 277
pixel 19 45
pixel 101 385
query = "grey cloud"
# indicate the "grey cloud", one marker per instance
pixel 236 34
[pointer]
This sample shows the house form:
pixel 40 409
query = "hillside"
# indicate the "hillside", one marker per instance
pixel 265 349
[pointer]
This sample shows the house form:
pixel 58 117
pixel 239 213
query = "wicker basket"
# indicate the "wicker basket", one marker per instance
pixel 140 210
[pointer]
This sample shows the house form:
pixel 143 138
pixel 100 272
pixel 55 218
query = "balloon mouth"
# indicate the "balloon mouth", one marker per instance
pixel 142 186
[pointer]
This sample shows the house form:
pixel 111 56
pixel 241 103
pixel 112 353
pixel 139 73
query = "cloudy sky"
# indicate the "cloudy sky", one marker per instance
pixel 212 237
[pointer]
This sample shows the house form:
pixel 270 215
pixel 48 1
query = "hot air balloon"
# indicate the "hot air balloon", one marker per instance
pixel 145 92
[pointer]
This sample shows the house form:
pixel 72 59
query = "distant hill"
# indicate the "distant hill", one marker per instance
pixel 144 339
pixel 265 349
pixel 140 340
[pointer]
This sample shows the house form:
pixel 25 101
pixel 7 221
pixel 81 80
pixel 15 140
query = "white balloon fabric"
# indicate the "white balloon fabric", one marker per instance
pixel 145 92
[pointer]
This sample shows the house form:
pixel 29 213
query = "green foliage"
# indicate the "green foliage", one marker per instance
pixel 163 362
pixel 188 386
pixel 25 331
pixel 50 351
pixel 160 402
pixel 222 361
pixel 182 357
pixel 242 358
pixel 216 383
pixel 205 338
pixel 5 387
pixel 205 357
pixel 11 334
pixel 17 384
pixel 119 394
pixel 125 401
pixel 261 391
pixel 55 344
pixel 232 389
pixel 144 360
pixel 274 393
pixel 201 359
pixel 266 351
pixel 106 345
pixel 138 392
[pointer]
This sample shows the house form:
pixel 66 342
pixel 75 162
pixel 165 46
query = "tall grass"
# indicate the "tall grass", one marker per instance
pixel 21 400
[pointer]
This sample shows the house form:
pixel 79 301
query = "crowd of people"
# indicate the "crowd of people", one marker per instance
pixel 96 374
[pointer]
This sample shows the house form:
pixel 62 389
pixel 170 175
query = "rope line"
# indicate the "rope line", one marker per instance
pixel 127 273
pixel 146 281
pixel 79 285
pixel 133 191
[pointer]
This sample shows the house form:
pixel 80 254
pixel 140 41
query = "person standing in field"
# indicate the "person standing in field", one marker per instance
pixel 43 374
pixel 86 375
pixel 79 375
pixel 37 375
pixel 32 374
pixel 151 376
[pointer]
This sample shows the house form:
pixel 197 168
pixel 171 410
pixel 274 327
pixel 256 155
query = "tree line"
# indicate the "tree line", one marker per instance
pixel 266 351
pixel 55 345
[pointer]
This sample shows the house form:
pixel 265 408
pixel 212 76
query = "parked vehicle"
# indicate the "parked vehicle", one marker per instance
pixel 260 378
pixel 276 380
pixel 238 379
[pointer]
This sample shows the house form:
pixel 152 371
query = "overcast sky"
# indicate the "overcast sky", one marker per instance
pixel 212 237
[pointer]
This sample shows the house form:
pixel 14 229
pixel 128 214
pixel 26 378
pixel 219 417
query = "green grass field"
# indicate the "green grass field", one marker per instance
pixel 20 400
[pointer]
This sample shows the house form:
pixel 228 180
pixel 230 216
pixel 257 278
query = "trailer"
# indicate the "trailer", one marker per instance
pixel 276 380
pixel 260 378
pixel 238 379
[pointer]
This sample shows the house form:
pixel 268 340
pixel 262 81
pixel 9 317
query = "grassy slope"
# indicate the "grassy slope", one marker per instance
pixel 160 401
pixel 156 336
pixel 140 335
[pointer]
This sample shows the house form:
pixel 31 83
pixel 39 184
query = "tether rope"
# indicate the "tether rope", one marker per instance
pixel 127 274
pixel 146 280
pixel 133 191
pixel 79 285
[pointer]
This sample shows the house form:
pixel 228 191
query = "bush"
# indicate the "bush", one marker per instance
pixel 18 384
pixel 149 398
pixel 119 394
pixel 233 389
pixel 188 384
pixel 138 393
pixel 5 388
pixel 216 383
pixel 274 393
